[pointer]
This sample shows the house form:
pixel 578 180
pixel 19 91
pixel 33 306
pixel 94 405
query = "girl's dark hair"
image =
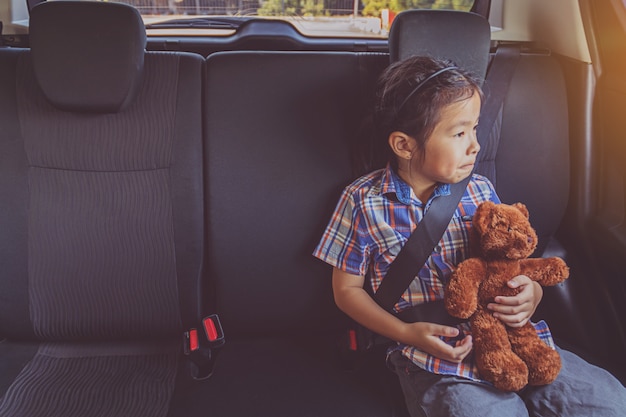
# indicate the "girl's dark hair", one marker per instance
pixel 407 100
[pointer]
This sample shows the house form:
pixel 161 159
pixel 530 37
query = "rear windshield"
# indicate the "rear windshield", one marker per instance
pixel 322 18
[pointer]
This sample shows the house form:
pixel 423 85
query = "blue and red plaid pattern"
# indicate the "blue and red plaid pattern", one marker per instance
pixel 374 218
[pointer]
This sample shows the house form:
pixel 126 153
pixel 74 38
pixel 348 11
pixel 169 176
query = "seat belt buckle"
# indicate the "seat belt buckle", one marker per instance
pixel 213 330
pixel 353 344
pixel 202 344
pixel 213 334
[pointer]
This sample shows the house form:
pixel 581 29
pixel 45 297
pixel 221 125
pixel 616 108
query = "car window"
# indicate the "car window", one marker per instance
pixel 320 18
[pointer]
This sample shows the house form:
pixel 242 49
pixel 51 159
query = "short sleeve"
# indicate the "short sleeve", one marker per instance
pixel 480 189
pixel 343 245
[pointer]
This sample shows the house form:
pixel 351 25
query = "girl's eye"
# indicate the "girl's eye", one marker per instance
pixel 459 135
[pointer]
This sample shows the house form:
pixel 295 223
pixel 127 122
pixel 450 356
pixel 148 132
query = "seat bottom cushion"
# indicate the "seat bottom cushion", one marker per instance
pixel 290 376
pixel 103 379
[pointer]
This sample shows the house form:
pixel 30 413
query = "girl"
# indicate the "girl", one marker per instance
pixel 427 112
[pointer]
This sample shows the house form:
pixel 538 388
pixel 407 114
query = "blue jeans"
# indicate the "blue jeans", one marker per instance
pixel 580 390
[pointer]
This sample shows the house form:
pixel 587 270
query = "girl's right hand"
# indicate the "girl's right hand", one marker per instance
pixel 353 300
pixel 426 336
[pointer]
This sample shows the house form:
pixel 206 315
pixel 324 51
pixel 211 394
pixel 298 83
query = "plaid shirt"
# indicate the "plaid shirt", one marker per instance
pixel 372 221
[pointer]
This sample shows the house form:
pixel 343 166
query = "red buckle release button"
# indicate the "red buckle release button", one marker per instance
pixel 193 340
pixel 352 340
pixel 213 329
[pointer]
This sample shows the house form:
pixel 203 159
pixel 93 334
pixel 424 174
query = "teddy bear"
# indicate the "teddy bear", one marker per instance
pixel 501 239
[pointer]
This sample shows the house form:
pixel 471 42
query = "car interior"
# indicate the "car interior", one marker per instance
pixel 161 196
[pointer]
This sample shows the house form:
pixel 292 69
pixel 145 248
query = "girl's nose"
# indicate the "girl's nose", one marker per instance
pixel 474 145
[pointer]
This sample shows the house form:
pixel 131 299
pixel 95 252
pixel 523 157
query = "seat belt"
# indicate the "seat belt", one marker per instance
pixel 202 344
pixel 419 247
pixel 497 83
pixel 429 231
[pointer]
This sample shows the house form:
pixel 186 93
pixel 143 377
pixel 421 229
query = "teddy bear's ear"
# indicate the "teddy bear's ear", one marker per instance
pixel 482 215
pixel 521 207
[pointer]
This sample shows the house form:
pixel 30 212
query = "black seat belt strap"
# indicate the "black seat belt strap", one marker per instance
pixel 497 84
pixel 419 246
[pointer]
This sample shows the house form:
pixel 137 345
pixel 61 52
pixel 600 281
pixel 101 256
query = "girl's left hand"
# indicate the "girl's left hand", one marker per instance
pixel 516 311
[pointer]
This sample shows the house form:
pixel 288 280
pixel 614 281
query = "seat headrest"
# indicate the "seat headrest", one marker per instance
pixel 87 56
pixel 461 37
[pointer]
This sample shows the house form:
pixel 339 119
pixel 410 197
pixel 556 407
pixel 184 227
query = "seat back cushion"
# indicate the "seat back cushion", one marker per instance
pixel 279 129
pixel 102 219
pixel 532 162
pixel 110 202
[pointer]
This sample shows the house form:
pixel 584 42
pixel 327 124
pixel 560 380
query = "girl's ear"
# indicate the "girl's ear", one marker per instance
pixel 402 145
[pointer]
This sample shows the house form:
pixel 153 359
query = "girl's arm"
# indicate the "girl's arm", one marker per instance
pixel 353 300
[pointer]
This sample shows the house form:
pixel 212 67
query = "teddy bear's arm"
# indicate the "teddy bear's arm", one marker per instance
pixel 546 271
pixel 461 295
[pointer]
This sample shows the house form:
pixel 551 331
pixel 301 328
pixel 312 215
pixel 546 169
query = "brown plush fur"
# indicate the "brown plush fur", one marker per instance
pixel 502 239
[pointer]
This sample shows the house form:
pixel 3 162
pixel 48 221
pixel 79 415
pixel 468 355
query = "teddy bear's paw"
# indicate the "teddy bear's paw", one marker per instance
pixel 512 383
pixel 556 271
pixel 506 371
pixel 544 369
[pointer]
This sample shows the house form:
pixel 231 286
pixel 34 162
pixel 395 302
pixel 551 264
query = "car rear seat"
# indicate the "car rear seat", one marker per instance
pixel 277 154
pixel 279 137
pixel 278 131
pixel 101 212
pixel 279 149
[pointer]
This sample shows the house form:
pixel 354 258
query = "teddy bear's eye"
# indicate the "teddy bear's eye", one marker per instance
pixel 502 225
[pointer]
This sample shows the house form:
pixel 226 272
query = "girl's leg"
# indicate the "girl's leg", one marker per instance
pixel 430 395
pixel 580 390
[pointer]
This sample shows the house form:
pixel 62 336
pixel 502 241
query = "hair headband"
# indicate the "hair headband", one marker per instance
pixel 424 81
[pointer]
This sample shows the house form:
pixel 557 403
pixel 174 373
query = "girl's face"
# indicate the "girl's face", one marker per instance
pixel 450 151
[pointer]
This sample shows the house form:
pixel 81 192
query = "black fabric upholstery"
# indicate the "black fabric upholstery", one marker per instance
pixel 92 384
pixel 290 376
pixel 88 56
pixel 186 193
pixel 14 312
pixel 459 36
pixel 532 162
pixel 114 202
pixel 73 154
pixel 99 193
pixel 277 156
pixel 102 220
pixel 14 357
